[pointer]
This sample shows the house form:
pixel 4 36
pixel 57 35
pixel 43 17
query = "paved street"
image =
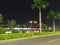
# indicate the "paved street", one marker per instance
pixel 47 40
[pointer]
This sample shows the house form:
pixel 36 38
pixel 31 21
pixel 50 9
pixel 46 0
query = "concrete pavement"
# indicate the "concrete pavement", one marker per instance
pixel 40 40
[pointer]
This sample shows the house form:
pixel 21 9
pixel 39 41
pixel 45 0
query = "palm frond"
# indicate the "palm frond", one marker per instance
pixel 37 3
pixel 45 4
pixel 58 15
pixel 51 14
pixel 40 3
pixel 54 15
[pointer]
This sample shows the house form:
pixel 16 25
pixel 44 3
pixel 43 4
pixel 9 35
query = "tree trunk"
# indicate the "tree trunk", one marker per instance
pixel 40 24
pixel 53 25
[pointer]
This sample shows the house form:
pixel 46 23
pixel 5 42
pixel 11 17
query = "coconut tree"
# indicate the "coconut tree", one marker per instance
pixel 40 4
pixel 53 15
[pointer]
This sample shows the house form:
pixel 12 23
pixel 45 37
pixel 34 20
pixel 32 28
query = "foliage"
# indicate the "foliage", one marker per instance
pixel 2 30
pixel 40 4
pixel 24 31
pixel 53 15
pixel 14 35
pixel 47 30
pixel 23 35
pixel 1 18
pixel 11 23
pixel 15 31
pixel 36 33
pixel 43 33
pixel 44 27
pixel 58 15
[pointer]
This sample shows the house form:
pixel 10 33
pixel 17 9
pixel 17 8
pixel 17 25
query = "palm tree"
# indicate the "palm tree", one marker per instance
pixel 53 15
pixel 40 4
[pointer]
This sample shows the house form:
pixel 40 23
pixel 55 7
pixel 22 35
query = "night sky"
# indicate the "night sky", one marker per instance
pixel 21 10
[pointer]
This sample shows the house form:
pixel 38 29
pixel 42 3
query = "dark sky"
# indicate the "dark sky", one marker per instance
pixel 21 11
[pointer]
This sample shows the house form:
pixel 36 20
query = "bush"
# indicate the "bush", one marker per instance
pixel 2 30
pixel 23 35
pixel 14 35
pixel 24 31
pixel 15 31
pixel 47 30
pixel 36 33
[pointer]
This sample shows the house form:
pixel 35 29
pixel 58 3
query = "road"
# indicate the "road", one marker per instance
pixel 46 40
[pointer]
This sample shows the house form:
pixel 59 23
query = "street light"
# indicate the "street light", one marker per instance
pixel 30 21
pixel 35 22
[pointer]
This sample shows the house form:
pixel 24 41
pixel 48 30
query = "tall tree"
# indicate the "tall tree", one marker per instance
pixel 53 15
pixel 11 24
pixel 40 4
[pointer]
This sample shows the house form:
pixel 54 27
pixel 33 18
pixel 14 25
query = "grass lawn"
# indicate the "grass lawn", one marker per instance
pixel 23 35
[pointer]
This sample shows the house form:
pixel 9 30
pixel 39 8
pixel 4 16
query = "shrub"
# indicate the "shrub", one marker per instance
pixel 15 31
pixel 24 31
pixel 47 30
pixel 22 35
pixel 36 33
pixel 14 35
pixel 2 30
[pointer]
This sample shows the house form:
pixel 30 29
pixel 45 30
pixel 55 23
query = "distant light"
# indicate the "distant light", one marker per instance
pixel 35 22
pixel 30 21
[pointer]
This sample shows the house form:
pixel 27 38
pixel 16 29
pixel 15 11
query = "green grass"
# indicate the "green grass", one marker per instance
pixel 57 32
pixel 23 35
pixel 43 33
pixel 14 35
